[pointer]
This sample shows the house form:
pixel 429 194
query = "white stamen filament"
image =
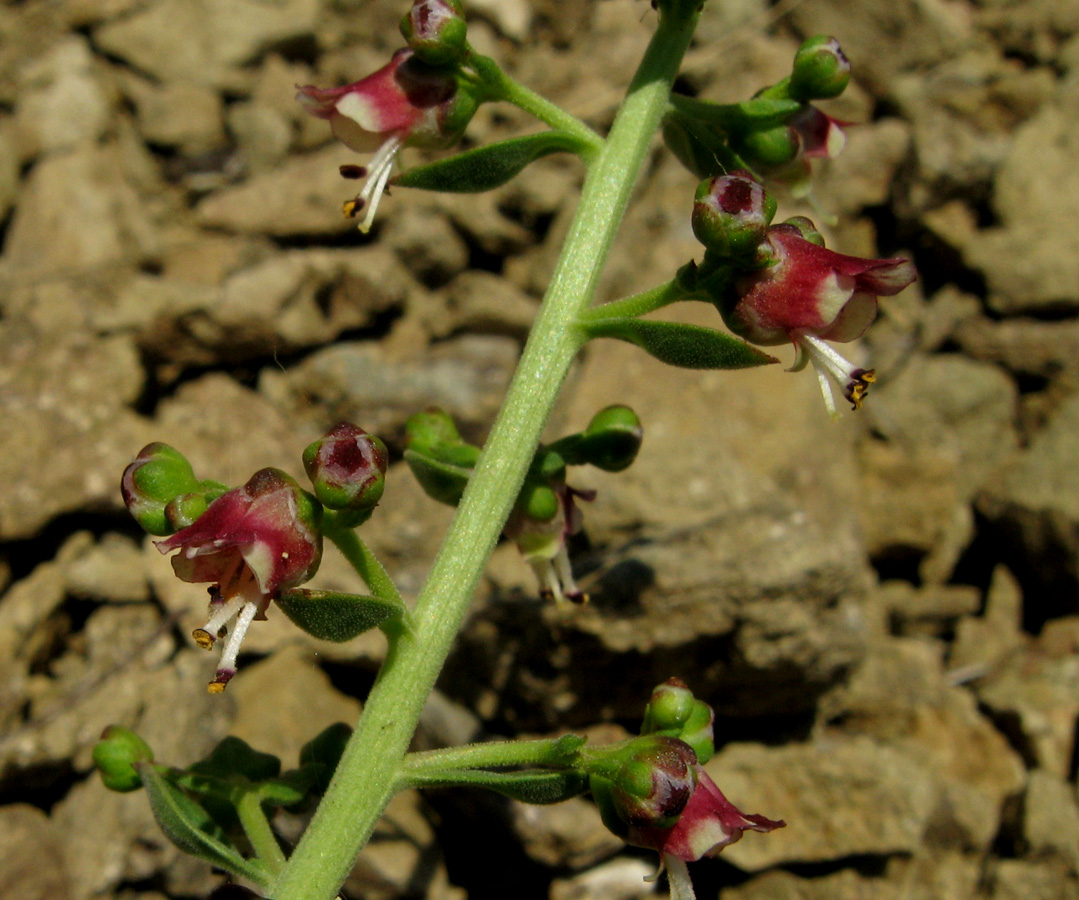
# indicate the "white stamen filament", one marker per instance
pixel 828 364
pixel 222 614
pixel 379 169
pixel 678 878
pixel 232 645
pixel 565 574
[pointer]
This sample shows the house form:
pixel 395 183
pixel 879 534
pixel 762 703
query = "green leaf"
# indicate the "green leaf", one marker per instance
pixel 441 481
pixel 334 616
pixel 678 344
pixel 190 827
pixel 234 758
pixel 487 167
pixel 537 788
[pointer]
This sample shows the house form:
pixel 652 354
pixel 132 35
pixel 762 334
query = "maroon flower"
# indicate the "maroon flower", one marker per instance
pixel 808 295
pixel 708 823
pixel 406 102
pixel 252 542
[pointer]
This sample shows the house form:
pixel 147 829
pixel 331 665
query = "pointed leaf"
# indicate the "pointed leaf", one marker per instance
pixel 537 788
pixel 333 616
pixel 441 481
pixel 189 826
pixel 234 758
pixel 487 167
pixel 678 344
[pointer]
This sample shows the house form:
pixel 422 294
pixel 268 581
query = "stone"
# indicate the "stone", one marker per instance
pixel 70 433
pixel 1051 818
pixel 1030 194
pixel 63 100
pixel 31 861
pixel 1034 505
pixel 479 302
pixel 77 211
pixel 886 797
pixel 1021 879
pixel 619 879
pixel 232 33
pixel 358 381
pixel 283 701
pixel 184 115
pixel 982 643
pixel 426 243
pixel 112 569
pixel 1033 695
pixel 565 835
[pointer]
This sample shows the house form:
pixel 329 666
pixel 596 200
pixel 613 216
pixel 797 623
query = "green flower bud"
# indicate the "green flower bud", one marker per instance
pixel 770 147
pixel 347 468
pixel 650 787
pixel 807 229
pixel 612 439
pixel 183 510
pixel 115 756
pixel 439 459
pixel 157 475
pixel 731 214
pixel 821 70
pixel 436 31
pixel 538 502
pixel 668 708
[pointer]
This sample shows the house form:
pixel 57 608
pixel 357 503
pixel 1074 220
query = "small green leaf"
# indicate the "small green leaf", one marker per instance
pixel 333 616
pixel 441 481
pixel 537 788
pixel 678 344
pixel 234 758
pixel 190 827
pixel 323 752
pixel 487 167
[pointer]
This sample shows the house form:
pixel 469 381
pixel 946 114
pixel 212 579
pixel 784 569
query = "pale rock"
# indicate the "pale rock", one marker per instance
pixel 512 17
pixel 403 857
pixel 479 302
pixel 1051 818
pixel 1031 197
pixel 285 700
pixel 31 860
pixel 619 879
pixel 887 798
pixel 263 136
pixel 867 169
pixel 932 610
pixel 1022 879
pixel 222 36
pixel 70 434
pixel 184 115
pixel 426 242
pixel 898 695
pixel 112 569
pixel 63 103
pixel 1034 696
pixel 563 835
pixel 1024 346
pixel 1034 504
pixel 359 382
pixel 301 197
pixel 9 167
pixel 78 211
pixel 982 643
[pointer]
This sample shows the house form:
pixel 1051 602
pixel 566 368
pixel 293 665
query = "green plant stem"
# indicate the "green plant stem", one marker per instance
pixel 545 752
pixel 257 828
pixel 365 563
pixel 367 773
pixel 639 304
pixel 507 88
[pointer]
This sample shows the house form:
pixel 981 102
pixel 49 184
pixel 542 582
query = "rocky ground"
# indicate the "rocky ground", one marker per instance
pixel 883 611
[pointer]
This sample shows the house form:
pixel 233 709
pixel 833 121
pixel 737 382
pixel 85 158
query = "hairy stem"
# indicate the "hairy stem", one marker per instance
pixel 366 776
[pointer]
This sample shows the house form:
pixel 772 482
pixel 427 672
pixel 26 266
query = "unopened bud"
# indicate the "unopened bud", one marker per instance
pixel 654 785
pixel 673 711
pixel 115 756
pixel 821 70
pixel 157 476
pixel 731 214
pixel 347 468
pixel 612 439
pixel 436 31
pixel 806 229
pixel 769 148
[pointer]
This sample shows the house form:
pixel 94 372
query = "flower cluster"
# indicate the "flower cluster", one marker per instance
pixel 787 287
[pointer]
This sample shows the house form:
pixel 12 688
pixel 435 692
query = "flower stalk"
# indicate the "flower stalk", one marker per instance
pixel 368 772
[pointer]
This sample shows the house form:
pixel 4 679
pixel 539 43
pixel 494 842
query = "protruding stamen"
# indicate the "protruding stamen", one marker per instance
pixel 859 386
pixel 565 575
pixel 352 171
pixel 379 168
pixel 227 667
pixel 203 638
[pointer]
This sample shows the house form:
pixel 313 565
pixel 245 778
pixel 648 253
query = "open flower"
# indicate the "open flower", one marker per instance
pixel 405 103
pixel 252 542
pixel 708 823
pixel 540 525
pixel 809 295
